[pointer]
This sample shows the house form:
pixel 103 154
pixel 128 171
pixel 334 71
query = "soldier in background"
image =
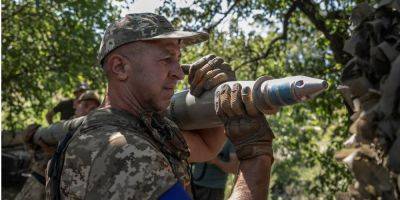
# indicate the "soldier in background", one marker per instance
pixel 67 107
pixel 209 178
pixel 41 151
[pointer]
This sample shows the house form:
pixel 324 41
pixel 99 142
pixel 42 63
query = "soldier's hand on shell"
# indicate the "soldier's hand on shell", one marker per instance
pixel 28 134
pixel 33 148
pixel 245 126
pixel 206 73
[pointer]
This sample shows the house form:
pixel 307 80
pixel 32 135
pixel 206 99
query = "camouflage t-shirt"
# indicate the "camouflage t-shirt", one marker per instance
pixel 115 155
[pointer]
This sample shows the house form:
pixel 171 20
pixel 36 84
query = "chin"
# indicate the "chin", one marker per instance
pixel 162 106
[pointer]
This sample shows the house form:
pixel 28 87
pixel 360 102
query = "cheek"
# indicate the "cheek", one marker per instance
pixel 153 77
pixel 92 107
pixel 86 109
pixel 147 84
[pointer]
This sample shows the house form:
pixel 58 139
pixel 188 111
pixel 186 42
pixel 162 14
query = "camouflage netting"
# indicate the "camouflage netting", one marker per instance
pixel 371 88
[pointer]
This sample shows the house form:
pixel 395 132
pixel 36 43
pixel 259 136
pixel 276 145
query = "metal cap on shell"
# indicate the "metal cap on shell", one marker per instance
pixel 144 26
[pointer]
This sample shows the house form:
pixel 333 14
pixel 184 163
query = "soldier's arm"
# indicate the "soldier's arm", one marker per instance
pixel 204 144
pixel 49 116
pixel 54 133
pixel 250 134
pixel 51 113
pixel 203 75
pixel 253 179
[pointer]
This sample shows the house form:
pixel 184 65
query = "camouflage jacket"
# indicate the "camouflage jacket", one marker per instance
pixel 54 133
pixel 32 190
pixel 50 135
pixel 115 155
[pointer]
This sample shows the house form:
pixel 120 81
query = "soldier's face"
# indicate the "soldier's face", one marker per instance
pixel 84 107
pixel 155 73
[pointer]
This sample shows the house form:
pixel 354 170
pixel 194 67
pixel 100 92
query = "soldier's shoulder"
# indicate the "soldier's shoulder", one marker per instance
pixel 112 117
pixel 71 124
pixel 132 167
pixel 107 128
pixel 123 163
pixel 103 135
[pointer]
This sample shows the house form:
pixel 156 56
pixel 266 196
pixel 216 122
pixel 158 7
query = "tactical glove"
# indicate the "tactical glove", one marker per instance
pixel 34 148
pixel 28 134
pixel 245 126
pixel 206 73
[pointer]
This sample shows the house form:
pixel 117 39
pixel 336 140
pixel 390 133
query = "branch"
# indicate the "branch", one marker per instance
pixel 337 15
pixel 15 12
pixel 283 36
pixel 336 39
pixel 225 14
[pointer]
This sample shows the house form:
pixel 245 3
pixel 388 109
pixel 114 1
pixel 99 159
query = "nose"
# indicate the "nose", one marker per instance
pixel 177 71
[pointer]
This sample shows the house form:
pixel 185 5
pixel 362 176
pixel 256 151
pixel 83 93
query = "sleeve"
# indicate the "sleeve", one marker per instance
pixel 47 134
pixel 59 107
pixel 129 168
pixel 226 151
pixel 56 132
pixel 231 148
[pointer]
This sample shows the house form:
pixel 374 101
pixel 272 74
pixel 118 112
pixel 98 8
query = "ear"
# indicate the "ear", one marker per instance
pixel 118 67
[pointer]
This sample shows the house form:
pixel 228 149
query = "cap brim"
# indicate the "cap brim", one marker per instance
pixel 187 37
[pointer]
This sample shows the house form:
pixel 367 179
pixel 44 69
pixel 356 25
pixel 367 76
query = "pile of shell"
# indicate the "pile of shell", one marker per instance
pixel 371 89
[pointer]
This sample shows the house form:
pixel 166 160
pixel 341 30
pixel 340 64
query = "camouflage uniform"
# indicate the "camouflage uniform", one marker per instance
pixel 115 155
pixel 51 135
pixel 372 91
pixel 32 190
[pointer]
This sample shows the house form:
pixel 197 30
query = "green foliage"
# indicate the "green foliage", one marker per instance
pixel 48 48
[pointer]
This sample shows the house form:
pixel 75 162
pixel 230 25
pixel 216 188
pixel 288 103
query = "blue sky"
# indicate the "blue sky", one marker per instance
pixel 151 5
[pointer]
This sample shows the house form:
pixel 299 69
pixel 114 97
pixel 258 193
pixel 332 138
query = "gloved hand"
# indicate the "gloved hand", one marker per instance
pixel 245 126
pixel 28 134
pixel 206 73
pixel 40 146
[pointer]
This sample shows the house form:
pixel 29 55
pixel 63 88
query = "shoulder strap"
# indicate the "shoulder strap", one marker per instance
pixel 38 177
pixel 56 164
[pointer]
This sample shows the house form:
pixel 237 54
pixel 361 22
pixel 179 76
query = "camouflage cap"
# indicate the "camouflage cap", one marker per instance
pixel 143 26
pixel 89 95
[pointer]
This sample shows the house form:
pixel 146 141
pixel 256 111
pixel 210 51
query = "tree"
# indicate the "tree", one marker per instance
pixel 48 47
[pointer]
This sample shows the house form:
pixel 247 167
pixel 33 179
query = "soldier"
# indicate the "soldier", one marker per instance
pixel 209 178
pixel 42 150
pixel 67 107
pixel 128 150
pixel 87 102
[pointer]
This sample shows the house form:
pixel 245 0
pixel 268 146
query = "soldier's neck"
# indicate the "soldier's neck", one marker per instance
pixel 121 100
